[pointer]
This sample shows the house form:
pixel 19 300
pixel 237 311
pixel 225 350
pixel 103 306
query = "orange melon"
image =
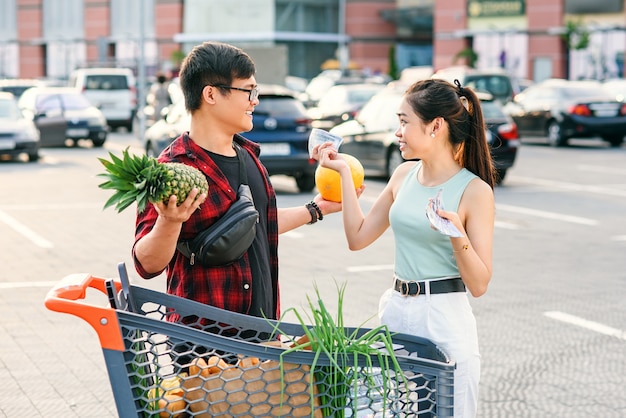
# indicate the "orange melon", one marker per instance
pixel 328 181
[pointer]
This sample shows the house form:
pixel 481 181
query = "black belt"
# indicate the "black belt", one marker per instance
pixel 413 288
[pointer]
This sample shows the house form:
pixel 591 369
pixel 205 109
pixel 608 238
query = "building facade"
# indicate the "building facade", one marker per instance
pixel 50 38
pixel 533 39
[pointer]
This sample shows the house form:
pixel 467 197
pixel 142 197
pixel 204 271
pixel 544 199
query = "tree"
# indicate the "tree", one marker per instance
pixel 393 65
pixel 176 58
pixel 576 36
pixel 469 55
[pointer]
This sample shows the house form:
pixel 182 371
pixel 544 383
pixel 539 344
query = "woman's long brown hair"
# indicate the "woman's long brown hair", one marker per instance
pixel 460 107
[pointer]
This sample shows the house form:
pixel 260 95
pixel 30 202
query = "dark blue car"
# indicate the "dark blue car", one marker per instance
pixel 282 128
pixel 280 125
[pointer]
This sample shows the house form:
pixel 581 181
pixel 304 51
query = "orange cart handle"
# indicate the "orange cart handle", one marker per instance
pixel 64 297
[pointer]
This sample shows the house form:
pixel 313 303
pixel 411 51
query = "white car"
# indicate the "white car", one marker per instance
pixel 112 90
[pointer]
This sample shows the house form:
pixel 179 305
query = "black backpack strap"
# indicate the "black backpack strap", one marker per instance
pixel 243 174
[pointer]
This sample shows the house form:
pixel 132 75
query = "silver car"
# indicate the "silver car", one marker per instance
pixel 69 111
pixel 18 135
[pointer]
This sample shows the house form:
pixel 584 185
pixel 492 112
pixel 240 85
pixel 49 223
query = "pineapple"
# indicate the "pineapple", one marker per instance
pixel 143 179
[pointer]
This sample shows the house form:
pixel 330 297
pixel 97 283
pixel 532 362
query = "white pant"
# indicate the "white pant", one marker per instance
pixel 447 320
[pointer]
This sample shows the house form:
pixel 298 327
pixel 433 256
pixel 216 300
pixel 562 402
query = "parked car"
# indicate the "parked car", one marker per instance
pixel 341 103
pixel 296 84
pixel 280 125
pixel 523 84
pixel 496 81
pixel 321 83
pixel 17 86
pixel 616 87
pixel 411 75
pixel 502 135
pixel 18 135
pixel 67 109
pixel 160 134
pixel 112 90
pixel 370 137
pixel 561 109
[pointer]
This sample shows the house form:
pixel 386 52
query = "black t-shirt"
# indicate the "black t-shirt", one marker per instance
pixel 259 252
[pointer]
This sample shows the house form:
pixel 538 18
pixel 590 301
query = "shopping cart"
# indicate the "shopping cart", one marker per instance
pixel 169 356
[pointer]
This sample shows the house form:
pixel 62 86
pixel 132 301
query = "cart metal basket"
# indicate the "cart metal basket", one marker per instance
pixel 169 356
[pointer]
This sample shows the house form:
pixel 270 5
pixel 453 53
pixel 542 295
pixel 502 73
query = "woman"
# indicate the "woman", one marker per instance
pixel 441 125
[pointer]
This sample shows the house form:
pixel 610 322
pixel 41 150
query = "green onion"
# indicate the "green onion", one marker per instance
pixel 329 337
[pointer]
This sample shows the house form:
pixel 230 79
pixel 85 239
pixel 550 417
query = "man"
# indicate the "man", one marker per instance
pixel 159 96
pixel 220 92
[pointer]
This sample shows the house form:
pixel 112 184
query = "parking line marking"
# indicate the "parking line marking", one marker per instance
pixel 374 267
pixel 540 213
pixel 292 234
pixel 599 169
pixel 24 231
pixel 21 285
pixel 619 238
pixel 548 215
pixel 505 225
pixel 369 198
pixel 571 186
pixel 53 206
pixel 527 211
pixel 585 323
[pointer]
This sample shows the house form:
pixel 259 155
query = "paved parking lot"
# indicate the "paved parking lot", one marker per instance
pixel 551 326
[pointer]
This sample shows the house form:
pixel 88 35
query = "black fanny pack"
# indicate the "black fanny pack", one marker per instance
pixel 230 236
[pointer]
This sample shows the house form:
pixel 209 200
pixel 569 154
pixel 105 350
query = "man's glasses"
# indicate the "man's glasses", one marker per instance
pixel 253 94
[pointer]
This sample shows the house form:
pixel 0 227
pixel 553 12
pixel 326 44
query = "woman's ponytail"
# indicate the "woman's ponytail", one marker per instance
pixel 474 153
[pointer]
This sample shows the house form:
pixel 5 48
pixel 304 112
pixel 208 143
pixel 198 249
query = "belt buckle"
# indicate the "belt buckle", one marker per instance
pixel 410 288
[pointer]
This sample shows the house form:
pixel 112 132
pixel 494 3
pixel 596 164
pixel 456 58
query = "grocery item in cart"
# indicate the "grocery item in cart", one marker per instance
pixel 243 377
pixel 281 390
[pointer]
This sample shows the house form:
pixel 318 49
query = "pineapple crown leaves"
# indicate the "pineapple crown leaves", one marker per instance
pixel 143 179
pixel 130 177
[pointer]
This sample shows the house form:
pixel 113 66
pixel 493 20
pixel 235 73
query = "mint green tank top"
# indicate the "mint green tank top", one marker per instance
pixel 421 252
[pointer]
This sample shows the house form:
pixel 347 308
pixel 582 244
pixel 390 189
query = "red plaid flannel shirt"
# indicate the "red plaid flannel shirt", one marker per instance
pixel 218 286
